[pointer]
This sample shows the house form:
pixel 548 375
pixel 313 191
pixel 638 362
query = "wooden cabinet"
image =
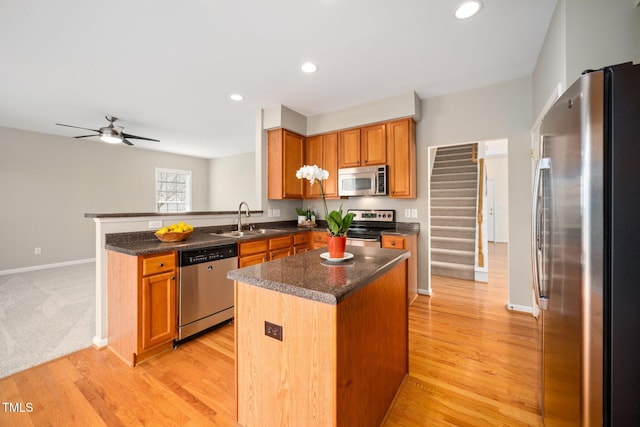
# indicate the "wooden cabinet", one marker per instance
pixel 142 319
pixel 374 145
pixel 401 149
pixel 263 250
pixel 409 243
pixel 254 252
pixel 322 150
pixel 285 156
pixel 365 146
pixel 318 239
pixel 349 148
pixel 300 243
pixel 280 247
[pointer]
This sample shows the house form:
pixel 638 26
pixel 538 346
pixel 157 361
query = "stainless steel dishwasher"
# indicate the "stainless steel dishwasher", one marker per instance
pixel 205 295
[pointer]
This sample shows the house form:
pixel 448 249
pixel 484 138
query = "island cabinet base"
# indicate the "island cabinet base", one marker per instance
pixel 336 365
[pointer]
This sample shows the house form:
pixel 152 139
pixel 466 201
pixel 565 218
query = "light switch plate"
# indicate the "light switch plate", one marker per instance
pixel 155 224
pixel 407 213
pixel 276 212
pixel 269 213
pixel 414 213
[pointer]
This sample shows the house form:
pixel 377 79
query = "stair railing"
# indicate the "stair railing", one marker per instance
pixel 479 213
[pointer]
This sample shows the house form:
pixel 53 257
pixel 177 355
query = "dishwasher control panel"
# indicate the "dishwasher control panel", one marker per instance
pixel 199 256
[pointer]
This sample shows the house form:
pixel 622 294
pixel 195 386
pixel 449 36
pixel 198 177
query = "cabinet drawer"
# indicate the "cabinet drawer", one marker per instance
pixel 255 247
pixel 246 261
pixel 158 264
pixel 393 242
pixel 300 239
pixel 319 237
pixel 280 253
pixel 280 242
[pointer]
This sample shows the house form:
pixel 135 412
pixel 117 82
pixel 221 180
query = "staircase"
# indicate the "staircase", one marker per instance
pixel 453 212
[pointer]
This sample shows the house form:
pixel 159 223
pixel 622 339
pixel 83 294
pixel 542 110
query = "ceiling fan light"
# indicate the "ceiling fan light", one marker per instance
pixel 110 139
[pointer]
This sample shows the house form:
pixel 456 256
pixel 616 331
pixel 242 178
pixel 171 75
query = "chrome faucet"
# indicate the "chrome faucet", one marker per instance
pixel 240 214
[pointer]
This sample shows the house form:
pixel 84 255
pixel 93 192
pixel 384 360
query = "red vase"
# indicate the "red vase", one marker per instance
pixel 336 246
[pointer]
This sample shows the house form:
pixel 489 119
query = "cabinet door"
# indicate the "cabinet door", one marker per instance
pixel 293 160
pixel 330 164
pixel 313 156
pixel 401 144
pixel 349 148
pixel 246 261
pixel 318 239
pixel 157 310
pixel 374 145
pixel 279 253
pixel 285 155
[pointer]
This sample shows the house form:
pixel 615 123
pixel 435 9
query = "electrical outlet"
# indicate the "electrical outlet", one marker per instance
pixel 276 212
pixel 155 224
pixel 269 213
pixel 272 330
pixel 407 213
pixel 414 213
pixel 37 251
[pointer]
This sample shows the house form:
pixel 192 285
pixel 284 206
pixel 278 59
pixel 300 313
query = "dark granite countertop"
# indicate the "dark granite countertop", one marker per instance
pixel 146 243
pixel 308 276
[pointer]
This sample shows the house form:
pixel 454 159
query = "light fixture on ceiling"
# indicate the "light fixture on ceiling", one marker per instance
pixel 236 97
pixel 309 67
pixel 110 135
pixel 467 9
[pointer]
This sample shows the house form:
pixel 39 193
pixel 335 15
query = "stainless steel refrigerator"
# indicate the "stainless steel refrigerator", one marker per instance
pixel 586 251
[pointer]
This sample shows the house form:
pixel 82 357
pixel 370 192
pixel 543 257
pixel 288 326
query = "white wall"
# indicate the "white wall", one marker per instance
pixel 232 180
pixel 49 182
pixel 501 111
pixel 498 170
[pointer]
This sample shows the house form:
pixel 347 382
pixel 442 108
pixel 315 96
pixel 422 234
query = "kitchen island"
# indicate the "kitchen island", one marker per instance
pixel 319 343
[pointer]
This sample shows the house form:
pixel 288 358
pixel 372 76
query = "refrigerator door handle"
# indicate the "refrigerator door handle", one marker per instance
pixel 536 245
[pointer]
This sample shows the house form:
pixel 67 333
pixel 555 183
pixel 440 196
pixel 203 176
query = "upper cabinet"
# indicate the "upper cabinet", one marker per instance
pixel 322 150
pixel 401 150
pixel 349 148
pixel 374 145
pixel 285 156
pixel 364 146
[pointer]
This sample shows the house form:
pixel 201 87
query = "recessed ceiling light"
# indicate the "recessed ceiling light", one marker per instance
pixel 236 97
pixel 467 9
pixel 309 67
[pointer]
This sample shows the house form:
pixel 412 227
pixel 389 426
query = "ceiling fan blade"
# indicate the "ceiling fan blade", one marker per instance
pixel 77 127
pixel 86 136
pixel 126 142
pixel 126 135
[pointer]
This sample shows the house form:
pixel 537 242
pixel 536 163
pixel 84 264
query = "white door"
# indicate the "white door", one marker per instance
pixel 491 218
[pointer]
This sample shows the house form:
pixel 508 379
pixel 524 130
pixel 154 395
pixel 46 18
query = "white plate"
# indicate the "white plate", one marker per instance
pixel 325 256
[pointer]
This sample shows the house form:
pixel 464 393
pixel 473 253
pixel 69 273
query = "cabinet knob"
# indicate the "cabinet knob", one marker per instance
pixel 161 264
pixel 393 243
pixel 173 277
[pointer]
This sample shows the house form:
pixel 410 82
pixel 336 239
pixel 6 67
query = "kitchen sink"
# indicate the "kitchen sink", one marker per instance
pixel 248 233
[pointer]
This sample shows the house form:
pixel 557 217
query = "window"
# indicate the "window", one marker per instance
pixel 173 190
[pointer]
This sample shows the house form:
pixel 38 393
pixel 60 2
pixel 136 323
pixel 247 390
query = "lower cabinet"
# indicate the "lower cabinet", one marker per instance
pixel 300 242
pixel 142 301
pixel 409 243
pixel 254 252
pixel 280 247
pixel 318 239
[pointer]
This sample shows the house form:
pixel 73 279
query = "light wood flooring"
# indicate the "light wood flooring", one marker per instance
pixel 472 363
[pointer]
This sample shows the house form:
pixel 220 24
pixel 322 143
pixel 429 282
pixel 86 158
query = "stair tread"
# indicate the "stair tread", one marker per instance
pixel 452 251
pixel 452 265
pixel 456 239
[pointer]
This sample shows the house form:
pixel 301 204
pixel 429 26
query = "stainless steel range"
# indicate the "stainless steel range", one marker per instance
pixel 368 225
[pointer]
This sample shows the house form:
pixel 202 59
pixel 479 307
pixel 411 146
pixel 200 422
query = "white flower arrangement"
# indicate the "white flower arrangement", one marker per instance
pixel 338 225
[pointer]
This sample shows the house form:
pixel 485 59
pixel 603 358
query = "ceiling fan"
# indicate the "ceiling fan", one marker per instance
pixel 111 134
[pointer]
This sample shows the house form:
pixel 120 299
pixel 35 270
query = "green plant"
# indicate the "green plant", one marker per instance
pixel 301 212
pixel 338 224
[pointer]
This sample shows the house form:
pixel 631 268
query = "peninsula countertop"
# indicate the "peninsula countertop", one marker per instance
pixel 307 275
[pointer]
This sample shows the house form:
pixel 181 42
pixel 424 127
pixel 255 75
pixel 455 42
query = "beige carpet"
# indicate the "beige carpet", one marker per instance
pixel 45 314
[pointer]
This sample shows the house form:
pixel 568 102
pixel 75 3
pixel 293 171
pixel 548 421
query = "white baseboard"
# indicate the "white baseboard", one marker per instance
pixel 100 343
pixel 520 308
pixel 46 266
pixel 481 276
pixel 424 292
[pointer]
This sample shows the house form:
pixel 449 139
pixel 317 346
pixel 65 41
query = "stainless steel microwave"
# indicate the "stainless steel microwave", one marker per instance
pixel 364 181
